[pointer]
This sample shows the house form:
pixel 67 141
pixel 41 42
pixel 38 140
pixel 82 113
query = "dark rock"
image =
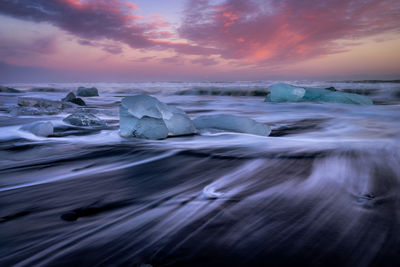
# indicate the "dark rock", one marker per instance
pixel 78 101
pixel 331 89
pixel 70 96
pixel 87 92
pixel 73 99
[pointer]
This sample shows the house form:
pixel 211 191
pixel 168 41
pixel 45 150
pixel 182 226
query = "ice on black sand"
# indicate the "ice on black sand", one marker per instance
pixel 87 92
pixel 146 117
pixel 82 119
pixel 283 92
pixel 41 128
pixel 232 123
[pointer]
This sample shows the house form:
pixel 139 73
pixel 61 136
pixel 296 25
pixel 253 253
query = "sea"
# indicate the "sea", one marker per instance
pixel 322 190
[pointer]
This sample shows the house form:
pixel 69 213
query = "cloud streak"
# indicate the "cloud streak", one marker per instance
pixel 90 19
pixel 37 47
pixel 110 48
pixel 285 31
pixel 98 19
pixel 257 32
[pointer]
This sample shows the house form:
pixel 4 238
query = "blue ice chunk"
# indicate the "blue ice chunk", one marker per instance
pixel 283 92
pixel 144 116
pixel 232 123
pixel 41 128
pixel 88 92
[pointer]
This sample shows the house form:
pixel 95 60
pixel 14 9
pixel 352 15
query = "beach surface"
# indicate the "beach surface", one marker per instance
pixel 322 190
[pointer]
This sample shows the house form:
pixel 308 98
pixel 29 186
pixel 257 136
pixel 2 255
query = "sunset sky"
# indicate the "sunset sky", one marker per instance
pixel 184 40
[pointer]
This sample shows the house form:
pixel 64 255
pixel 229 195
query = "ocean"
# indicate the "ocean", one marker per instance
pixel 322 190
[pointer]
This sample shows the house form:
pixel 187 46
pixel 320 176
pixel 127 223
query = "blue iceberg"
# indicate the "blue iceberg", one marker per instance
pixel 232 123
pixel 283 92
pixel 144 116
pixel 41 128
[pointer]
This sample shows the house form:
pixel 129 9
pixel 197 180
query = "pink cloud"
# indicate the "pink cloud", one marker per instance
pixel 253 31
pixel 98 19
pixel 285 31
pixel 205 61
pixel 31 47
pixel 91 19
pixel 110 48
pixel 172 60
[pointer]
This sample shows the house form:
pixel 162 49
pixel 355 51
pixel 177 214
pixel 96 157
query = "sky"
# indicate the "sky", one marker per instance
pixel 198 40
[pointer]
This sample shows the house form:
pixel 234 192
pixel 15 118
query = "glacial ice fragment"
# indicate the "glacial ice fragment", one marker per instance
pixel 179 123
pixel 232 123
pixel 39 102
pixel 143 105
pixel 144 116
pixel 41 128
pixel 282 92
pixel 82 119
pixel 23 111
pixel 87 92
pixel 150 128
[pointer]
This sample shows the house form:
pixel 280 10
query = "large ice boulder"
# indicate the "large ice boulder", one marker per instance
pixel 232 123
pixel 41 128
pixel 83 119
pixel 87 92
pixel 283 92
pixel 146 117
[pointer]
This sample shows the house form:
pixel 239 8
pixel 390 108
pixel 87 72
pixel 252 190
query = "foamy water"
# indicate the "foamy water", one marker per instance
pixel 322 189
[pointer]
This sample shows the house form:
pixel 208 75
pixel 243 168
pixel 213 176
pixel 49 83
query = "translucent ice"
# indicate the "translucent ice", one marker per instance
pixel 41 128
pixel 29 104
pixel 232 123
pixel 179 123
pixel 39 102
pixel 23 111
pixel 83 119
pixel 83 91
pixel 144 116
pixel 282 92
pixel 150 128
pixel 143 105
